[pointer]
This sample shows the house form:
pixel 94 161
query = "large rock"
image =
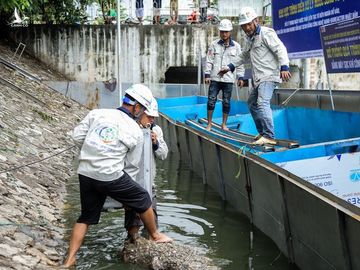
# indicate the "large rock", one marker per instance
pixel 169 256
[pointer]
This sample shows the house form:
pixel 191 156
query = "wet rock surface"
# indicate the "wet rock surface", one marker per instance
pixel 165 256
pixel 36 155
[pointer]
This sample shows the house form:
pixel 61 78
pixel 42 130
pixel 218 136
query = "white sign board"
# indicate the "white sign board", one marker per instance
pixel 339 174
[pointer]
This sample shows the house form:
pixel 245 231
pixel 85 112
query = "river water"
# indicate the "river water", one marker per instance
pixel 189 212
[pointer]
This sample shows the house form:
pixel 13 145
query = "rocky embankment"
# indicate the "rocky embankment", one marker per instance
pixel 36 161
pixel 36 154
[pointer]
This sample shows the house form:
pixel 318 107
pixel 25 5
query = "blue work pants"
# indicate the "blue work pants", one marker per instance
pixel 214 90
pixel 259 106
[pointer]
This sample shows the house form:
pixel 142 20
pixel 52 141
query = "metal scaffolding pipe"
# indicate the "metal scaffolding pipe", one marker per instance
pixel 118 27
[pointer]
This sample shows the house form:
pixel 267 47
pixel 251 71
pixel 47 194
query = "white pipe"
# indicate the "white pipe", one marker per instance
pixel 118 26
pixel 306 69
pixel 199 67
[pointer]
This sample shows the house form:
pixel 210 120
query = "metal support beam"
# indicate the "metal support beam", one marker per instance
pixel 330 91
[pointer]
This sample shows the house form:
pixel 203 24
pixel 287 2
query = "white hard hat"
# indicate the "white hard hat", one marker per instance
pixel 141 94
pixel 154 110
pixel 225 25
pixel 247 14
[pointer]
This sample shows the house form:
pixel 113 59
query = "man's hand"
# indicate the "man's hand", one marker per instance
pixel 223 71
pixel 240 83
pixel 207 80
pixel 153 137
pixel 285 75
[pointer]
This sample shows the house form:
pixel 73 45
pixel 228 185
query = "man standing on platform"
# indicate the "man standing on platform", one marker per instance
pixel 270 65
pixel 221 53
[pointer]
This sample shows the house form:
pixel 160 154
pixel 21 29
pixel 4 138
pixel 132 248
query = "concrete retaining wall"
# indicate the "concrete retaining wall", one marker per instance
pixel 88 53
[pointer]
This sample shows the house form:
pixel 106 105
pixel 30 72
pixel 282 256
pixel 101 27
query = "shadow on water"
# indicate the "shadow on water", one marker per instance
pixel 189 212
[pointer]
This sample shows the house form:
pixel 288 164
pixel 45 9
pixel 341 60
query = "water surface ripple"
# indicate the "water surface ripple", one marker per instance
pixel 189 212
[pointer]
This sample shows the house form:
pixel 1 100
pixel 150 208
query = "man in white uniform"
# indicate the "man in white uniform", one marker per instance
pixel 270 66
pixel 111 148
pixel 154 147
pixel 221 52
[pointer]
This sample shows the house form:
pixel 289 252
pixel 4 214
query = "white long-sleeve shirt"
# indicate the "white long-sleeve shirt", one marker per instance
pixel 267 54
pixel 109 139
pixel 147 164
pixel 219 56
pixel 162 151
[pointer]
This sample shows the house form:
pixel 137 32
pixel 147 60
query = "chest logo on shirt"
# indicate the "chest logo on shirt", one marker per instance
pixel 107 134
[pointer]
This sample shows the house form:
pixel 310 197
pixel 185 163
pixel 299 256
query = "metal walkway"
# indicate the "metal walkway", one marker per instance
pixel 249 138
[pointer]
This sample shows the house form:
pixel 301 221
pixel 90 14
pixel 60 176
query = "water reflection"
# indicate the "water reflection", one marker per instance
pixel 192 214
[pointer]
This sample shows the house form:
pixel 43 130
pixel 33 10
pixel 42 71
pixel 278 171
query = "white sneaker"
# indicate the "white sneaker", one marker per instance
pixel 264 140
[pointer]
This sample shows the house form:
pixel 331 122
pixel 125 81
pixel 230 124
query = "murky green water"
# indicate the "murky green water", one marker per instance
pixel 190 213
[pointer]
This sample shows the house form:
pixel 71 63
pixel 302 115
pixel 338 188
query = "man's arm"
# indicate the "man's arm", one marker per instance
pixel 80 131
pixel 240 59
pixel 209 63
pixel 240 70
pixel 274 44
pixel 159 145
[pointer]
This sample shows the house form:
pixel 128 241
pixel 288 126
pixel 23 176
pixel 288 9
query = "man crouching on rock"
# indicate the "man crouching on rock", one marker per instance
pixel 111 143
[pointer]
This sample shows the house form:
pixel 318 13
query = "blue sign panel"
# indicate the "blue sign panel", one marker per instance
pixel 297 22
pixel 341 46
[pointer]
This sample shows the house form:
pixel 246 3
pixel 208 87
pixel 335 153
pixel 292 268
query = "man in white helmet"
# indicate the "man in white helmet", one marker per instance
pixel 154 147
pixel 111 144
pixel 221 53
pixel 270 65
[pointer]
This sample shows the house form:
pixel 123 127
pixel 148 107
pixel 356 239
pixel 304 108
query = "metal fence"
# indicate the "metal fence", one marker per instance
pixel 97 94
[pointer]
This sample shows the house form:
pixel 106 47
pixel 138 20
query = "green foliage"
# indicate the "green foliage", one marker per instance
pixel 8 6
pixel 106 6
pixel 55 11
pixel 45 11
